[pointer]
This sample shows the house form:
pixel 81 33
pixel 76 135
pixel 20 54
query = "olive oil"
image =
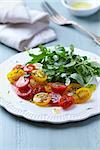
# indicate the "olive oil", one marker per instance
pixel 81 5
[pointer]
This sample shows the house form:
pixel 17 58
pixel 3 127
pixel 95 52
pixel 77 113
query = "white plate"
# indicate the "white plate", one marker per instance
pixel 17 106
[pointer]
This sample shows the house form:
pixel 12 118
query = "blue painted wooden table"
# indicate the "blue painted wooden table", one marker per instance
pixel 20 134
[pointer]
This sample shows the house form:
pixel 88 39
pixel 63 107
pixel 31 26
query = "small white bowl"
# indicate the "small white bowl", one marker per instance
pixel 82 12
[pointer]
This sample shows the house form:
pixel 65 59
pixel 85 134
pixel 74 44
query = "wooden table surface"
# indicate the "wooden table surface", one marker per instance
pixel 20 134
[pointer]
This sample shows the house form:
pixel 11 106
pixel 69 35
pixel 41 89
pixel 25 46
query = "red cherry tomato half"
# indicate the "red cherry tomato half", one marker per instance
pixel 58 87
pixel 66 101
pixel 27 95
pixel 55 98
pixel 29 68
pixel 18 67
pixel 22 84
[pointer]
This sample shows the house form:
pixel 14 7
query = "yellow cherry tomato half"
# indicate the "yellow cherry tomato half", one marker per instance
pixel 14 75
pixel 39 75
pixel 82 95
pixel 42 99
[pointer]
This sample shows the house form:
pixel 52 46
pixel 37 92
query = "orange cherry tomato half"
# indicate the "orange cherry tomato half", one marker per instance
pixel 71 89
pixel 32 82
pixel 48 88
pixel 36 87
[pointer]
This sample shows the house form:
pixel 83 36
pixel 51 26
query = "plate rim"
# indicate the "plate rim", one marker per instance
pixel 31 116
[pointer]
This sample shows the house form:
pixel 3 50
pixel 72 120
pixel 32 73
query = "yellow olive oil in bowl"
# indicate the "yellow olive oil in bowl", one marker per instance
pixel 81 5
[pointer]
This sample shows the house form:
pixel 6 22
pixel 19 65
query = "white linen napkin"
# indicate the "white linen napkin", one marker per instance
pixel 25 31
pixel 13 11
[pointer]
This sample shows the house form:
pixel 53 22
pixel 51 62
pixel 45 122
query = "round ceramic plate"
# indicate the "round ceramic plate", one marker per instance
pixel 17 106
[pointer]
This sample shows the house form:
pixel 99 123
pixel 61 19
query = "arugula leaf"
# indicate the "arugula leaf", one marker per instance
pixel 36 58
pixel 72 63
pixel 71 49
pixel 64 66
pixel 94 64
pixel 78 78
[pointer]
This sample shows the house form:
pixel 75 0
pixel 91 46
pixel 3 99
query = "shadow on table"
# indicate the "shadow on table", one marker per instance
pixel 93 18
pixel 54 126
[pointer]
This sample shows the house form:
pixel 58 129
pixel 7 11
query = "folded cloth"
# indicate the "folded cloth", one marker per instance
pixel 29 33
pixel 13 11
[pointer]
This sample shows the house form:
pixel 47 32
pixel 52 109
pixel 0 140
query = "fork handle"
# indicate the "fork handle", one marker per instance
pixel 81 28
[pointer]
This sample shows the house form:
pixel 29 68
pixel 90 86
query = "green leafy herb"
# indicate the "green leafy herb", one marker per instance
pixel 64 66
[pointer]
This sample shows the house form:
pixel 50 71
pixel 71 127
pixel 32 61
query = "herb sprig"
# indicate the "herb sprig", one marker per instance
pixel 64 66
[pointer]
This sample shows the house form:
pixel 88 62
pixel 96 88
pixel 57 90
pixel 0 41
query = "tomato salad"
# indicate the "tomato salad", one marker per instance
pixel 31 83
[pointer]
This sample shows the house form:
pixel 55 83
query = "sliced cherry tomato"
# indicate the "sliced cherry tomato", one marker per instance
pixel 29 68
pixel 82 95
pixel 22 84
pixel 31 77
pixel 27 95
pixel 36 87
pixel 66 101
pixel 39 76
pixel 58 87
pixel 32 82
pixel 42 99
pixel 71 89
pixel 48 88
pixel 18 67
pixel 92 87
pixel 14 75
pixel 55 98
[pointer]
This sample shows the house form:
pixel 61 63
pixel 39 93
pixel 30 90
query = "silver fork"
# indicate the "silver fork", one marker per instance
pixel 60 20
